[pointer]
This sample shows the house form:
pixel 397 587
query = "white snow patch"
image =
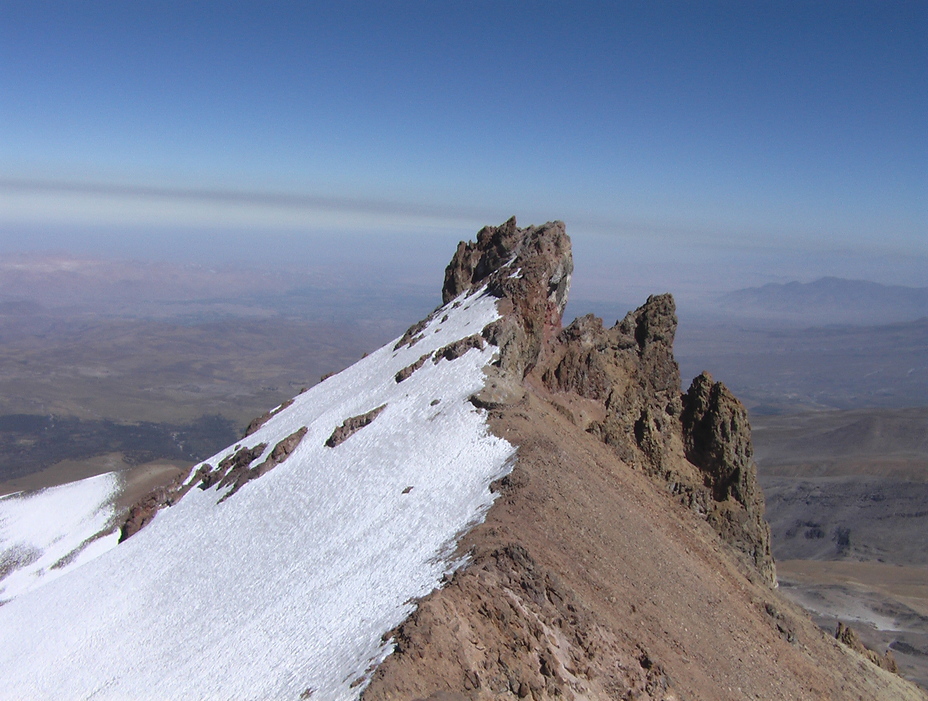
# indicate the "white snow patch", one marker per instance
pixel 291 583
pixel 43 534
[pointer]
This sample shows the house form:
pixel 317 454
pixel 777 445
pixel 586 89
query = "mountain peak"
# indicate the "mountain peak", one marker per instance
pixel 492 506
pixel 537 256
pixel 829 301
pixel 529 271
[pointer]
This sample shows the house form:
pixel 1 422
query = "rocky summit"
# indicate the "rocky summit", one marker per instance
pixel 627 555
pixel 492 506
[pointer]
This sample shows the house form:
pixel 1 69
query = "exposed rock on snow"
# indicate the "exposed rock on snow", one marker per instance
pixel 455 350
pixel 264 418
pixel 230 467
pixel 407 371
pixel 143 511
pixel 352 425
pixel 244 473
pixel 414 333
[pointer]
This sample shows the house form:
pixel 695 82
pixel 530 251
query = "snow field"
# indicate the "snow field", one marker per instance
pixel 291 583
pixel 44 534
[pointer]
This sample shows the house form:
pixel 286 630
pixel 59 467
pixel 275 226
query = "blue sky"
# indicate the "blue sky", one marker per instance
pixel 728 133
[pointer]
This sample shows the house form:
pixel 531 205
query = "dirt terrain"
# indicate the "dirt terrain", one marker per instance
pixel 587 578
pixel 847 502
pixel 887 605
pixel 864 441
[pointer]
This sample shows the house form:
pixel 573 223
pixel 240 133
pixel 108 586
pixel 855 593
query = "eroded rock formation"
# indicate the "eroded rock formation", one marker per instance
pixel 698 444
pixel 848 636
pixel 586 581
pixel 717 439
pixel 529 270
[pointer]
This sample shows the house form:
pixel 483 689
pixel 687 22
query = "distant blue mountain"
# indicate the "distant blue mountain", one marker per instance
pixel 829 300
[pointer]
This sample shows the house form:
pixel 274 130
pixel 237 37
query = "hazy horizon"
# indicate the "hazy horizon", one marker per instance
pixel 689 148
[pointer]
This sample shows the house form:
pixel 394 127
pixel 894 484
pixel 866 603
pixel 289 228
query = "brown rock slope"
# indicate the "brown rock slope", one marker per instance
pixel 626 556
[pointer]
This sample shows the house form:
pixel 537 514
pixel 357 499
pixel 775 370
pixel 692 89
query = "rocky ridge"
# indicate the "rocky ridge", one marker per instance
pixel 698 444
pixel 627 555
pixel 529 271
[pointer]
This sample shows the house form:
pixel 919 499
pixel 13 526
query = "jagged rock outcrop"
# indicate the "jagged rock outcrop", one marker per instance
pixel 529 270
pixel 717 439
pixel 849 637
pixel 699 444
pixel 628 370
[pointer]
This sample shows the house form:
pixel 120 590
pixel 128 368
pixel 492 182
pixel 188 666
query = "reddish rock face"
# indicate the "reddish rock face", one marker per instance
pixel 703 454
pixel 529 270
pixel 717 439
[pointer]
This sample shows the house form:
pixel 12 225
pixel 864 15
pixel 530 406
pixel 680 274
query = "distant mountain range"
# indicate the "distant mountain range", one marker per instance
pixel 829 300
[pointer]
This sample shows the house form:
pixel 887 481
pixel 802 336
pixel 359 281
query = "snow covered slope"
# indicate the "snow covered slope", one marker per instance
pixel 47 533
pixel 284 588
